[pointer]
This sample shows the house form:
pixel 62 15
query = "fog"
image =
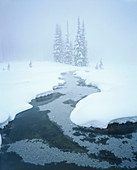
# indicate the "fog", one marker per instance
pixel 27 28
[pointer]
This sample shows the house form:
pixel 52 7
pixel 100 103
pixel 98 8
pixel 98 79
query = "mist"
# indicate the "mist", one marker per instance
pixel 27 28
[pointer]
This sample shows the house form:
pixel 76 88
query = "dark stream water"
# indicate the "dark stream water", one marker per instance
pixel 44 138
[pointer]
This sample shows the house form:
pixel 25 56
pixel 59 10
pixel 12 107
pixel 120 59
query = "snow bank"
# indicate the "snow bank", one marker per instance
pixel 117 98
pixel 21 83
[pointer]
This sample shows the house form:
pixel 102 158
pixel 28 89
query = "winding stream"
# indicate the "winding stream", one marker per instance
pixel 44 137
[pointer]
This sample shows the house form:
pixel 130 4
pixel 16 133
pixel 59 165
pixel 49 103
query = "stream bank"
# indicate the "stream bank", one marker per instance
pixel 44 137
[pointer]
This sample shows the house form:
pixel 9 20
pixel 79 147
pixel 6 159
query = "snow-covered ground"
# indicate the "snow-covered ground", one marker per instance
pixel 20 84
pixel 117 98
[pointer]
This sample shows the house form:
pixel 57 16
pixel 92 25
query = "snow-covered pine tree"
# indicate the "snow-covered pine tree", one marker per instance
pixel 77 46
pixel 84 46
pixel 80 47
pixel 67 48
pixel 58 45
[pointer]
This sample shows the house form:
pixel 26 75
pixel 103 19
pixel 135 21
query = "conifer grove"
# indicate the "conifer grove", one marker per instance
pixel 65 52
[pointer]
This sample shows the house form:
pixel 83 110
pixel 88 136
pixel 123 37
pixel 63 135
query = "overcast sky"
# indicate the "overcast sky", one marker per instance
pixel 27 27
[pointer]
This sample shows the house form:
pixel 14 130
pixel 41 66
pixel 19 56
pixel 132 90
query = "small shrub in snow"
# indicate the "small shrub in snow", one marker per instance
pixel 30 64
pixel 8 67
pixel 101 64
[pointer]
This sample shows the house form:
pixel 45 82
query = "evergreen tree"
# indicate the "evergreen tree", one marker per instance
pixel 58 45
pixel 67 49
pixel 84 46
pixel 80 47
pixel 99 65
pixel 64 53
pixel 77 46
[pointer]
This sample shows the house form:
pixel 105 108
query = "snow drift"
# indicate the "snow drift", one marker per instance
pixel 20 84
pixel 117 98
pixel 115 102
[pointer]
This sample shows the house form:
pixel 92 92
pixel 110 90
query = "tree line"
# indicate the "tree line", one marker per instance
pixel 65 52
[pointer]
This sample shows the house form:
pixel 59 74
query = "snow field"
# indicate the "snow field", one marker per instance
pixel 21 84
pixel 117 98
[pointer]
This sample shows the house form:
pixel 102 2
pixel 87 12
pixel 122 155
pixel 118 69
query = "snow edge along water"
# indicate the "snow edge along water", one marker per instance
pixel 28 82
pixel 21 84
pixel 115 104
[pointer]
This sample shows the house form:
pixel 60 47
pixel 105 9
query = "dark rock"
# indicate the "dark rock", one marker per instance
pixel 123 128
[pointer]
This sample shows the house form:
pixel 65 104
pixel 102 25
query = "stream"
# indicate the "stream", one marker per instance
pixel 44 138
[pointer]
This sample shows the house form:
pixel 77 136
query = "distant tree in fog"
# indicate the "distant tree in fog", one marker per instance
pixel 58 46
pixel 84 46
pixel 96 67
pixel 67 48
pixel 99 65
pixel 64 52
pixel 77 46
pixel 80 46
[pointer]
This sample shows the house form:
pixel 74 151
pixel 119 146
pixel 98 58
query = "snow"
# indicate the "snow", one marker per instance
pixel 115 103
pixel 20 84
pixel 44 94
